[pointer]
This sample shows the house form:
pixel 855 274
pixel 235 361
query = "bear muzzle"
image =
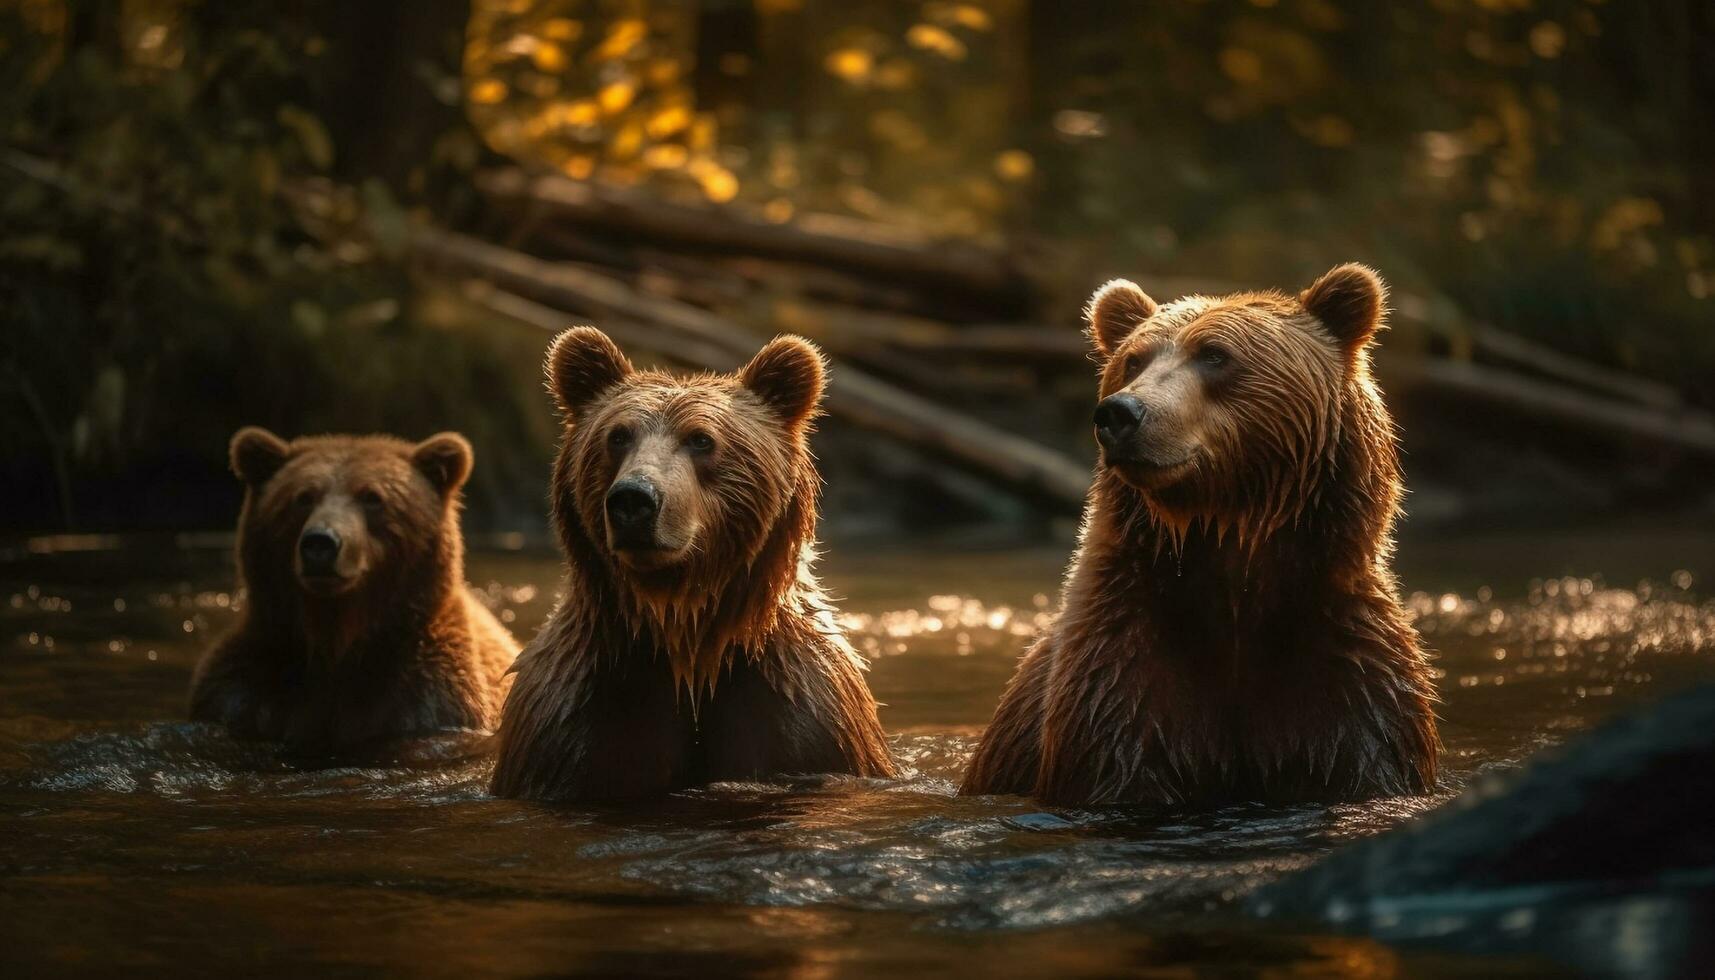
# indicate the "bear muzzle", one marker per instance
pixel 1117 420
pixel 634 507
pixel 320 570
pixel 1134 447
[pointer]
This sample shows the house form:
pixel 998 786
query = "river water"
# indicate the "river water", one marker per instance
pixel 132 839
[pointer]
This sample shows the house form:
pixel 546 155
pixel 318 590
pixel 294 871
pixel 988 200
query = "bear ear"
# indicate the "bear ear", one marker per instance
pixel 257 454
pixel 1350 300
pixel 788 375
pixel 445 458
pixel 582 363
pixel 1115 311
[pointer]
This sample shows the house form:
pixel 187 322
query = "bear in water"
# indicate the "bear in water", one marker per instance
pixel 1230 629
pixel 692 642
pixel 357 625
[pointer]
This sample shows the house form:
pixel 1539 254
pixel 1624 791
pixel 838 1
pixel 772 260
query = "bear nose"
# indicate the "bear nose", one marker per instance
pixel 632 503
pixel 318 548
pixel 1117 419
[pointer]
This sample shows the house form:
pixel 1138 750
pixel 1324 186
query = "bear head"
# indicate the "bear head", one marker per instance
pixel 335 519
pixel 676 487
pixel 1232 410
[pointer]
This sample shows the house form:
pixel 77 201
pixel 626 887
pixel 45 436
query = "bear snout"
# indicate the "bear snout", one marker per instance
pixel 1117 420
pixel 632 506
pixel 329 563
pixel 318 550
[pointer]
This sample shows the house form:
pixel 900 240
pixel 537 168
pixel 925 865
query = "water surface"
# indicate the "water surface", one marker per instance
pixel 131 838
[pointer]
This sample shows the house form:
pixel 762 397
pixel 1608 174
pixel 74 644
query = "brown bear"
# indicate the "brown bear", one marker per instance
pixel 691 643
pixel 358 625
pixel 1230 629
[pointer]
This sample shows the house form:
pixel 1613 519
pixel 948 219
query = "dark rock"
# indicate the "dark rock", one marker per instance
pixel 1601 853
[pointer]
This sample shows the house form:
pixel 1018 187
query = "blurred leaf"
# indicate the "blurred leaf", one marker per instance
pixel 310 318
pixel 48 250
pixel 386 220
pixel 312 135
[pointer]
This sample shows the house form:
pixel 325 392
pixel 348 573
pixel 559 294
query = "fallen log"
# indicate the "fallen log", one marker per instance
pixel 1512 349
pixel 829 240
pixel 556 240
pixel 1026 467
pixel 920 336
pixel 896 460
pixel 1639 412
pixel 1688 430
pixel 693 354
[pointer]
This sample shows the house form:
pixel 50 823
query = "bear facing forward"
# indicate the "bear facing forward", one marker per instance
pixel 691 643
pixel 358 625
pixel 1230 629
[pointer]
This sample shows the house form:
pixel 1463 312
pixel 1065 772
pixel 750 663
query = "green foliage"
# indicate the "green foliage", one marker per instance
pixel 204 205
pixel 1543 164
pixel 158 286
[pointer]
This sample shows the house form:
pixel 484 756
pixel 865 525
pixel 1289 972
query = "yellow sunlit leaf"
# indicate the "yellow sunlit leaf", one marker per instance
pixel 615 96
pixel 719 184
pixel 626 142
pixel 936 40
pixel 621 38
pixel 548 57
pixel 579 167
pixel 664 156
pixel 1014 165
pixel 668 121
pixel 703 132
pixel 1547 39
pixel 562 29
pixel 488 91
pixel 1241 65
pixel 519 46
pixel 583 112
pixel 664 71
pixel 851 64
pixel 973 17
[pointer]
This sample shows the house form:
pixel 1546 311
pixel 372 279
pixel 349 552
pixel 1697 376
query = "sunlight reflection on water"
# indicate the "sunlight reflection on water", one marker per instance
pixel 95 777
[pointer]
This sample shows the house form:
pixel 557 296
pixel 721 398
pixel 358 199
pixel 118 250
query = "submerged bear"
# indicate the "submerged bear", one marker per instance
pixel 691 643
pixel 1230 629
pixel 358 625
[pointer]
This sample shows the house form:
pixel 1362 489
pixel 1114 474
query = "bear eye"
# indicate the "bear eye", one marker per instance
pixel 369 499
pixel 619 438
pixel 1213 356
pixel 700 442
pixel 1131 365
pixel 305 498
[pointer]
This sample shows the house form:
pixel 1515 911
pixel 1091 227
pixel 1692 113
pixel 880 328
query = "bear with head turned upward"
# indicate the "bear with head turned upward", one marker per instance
pixel 1230 629
pixel 692 643
pixel 358 626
